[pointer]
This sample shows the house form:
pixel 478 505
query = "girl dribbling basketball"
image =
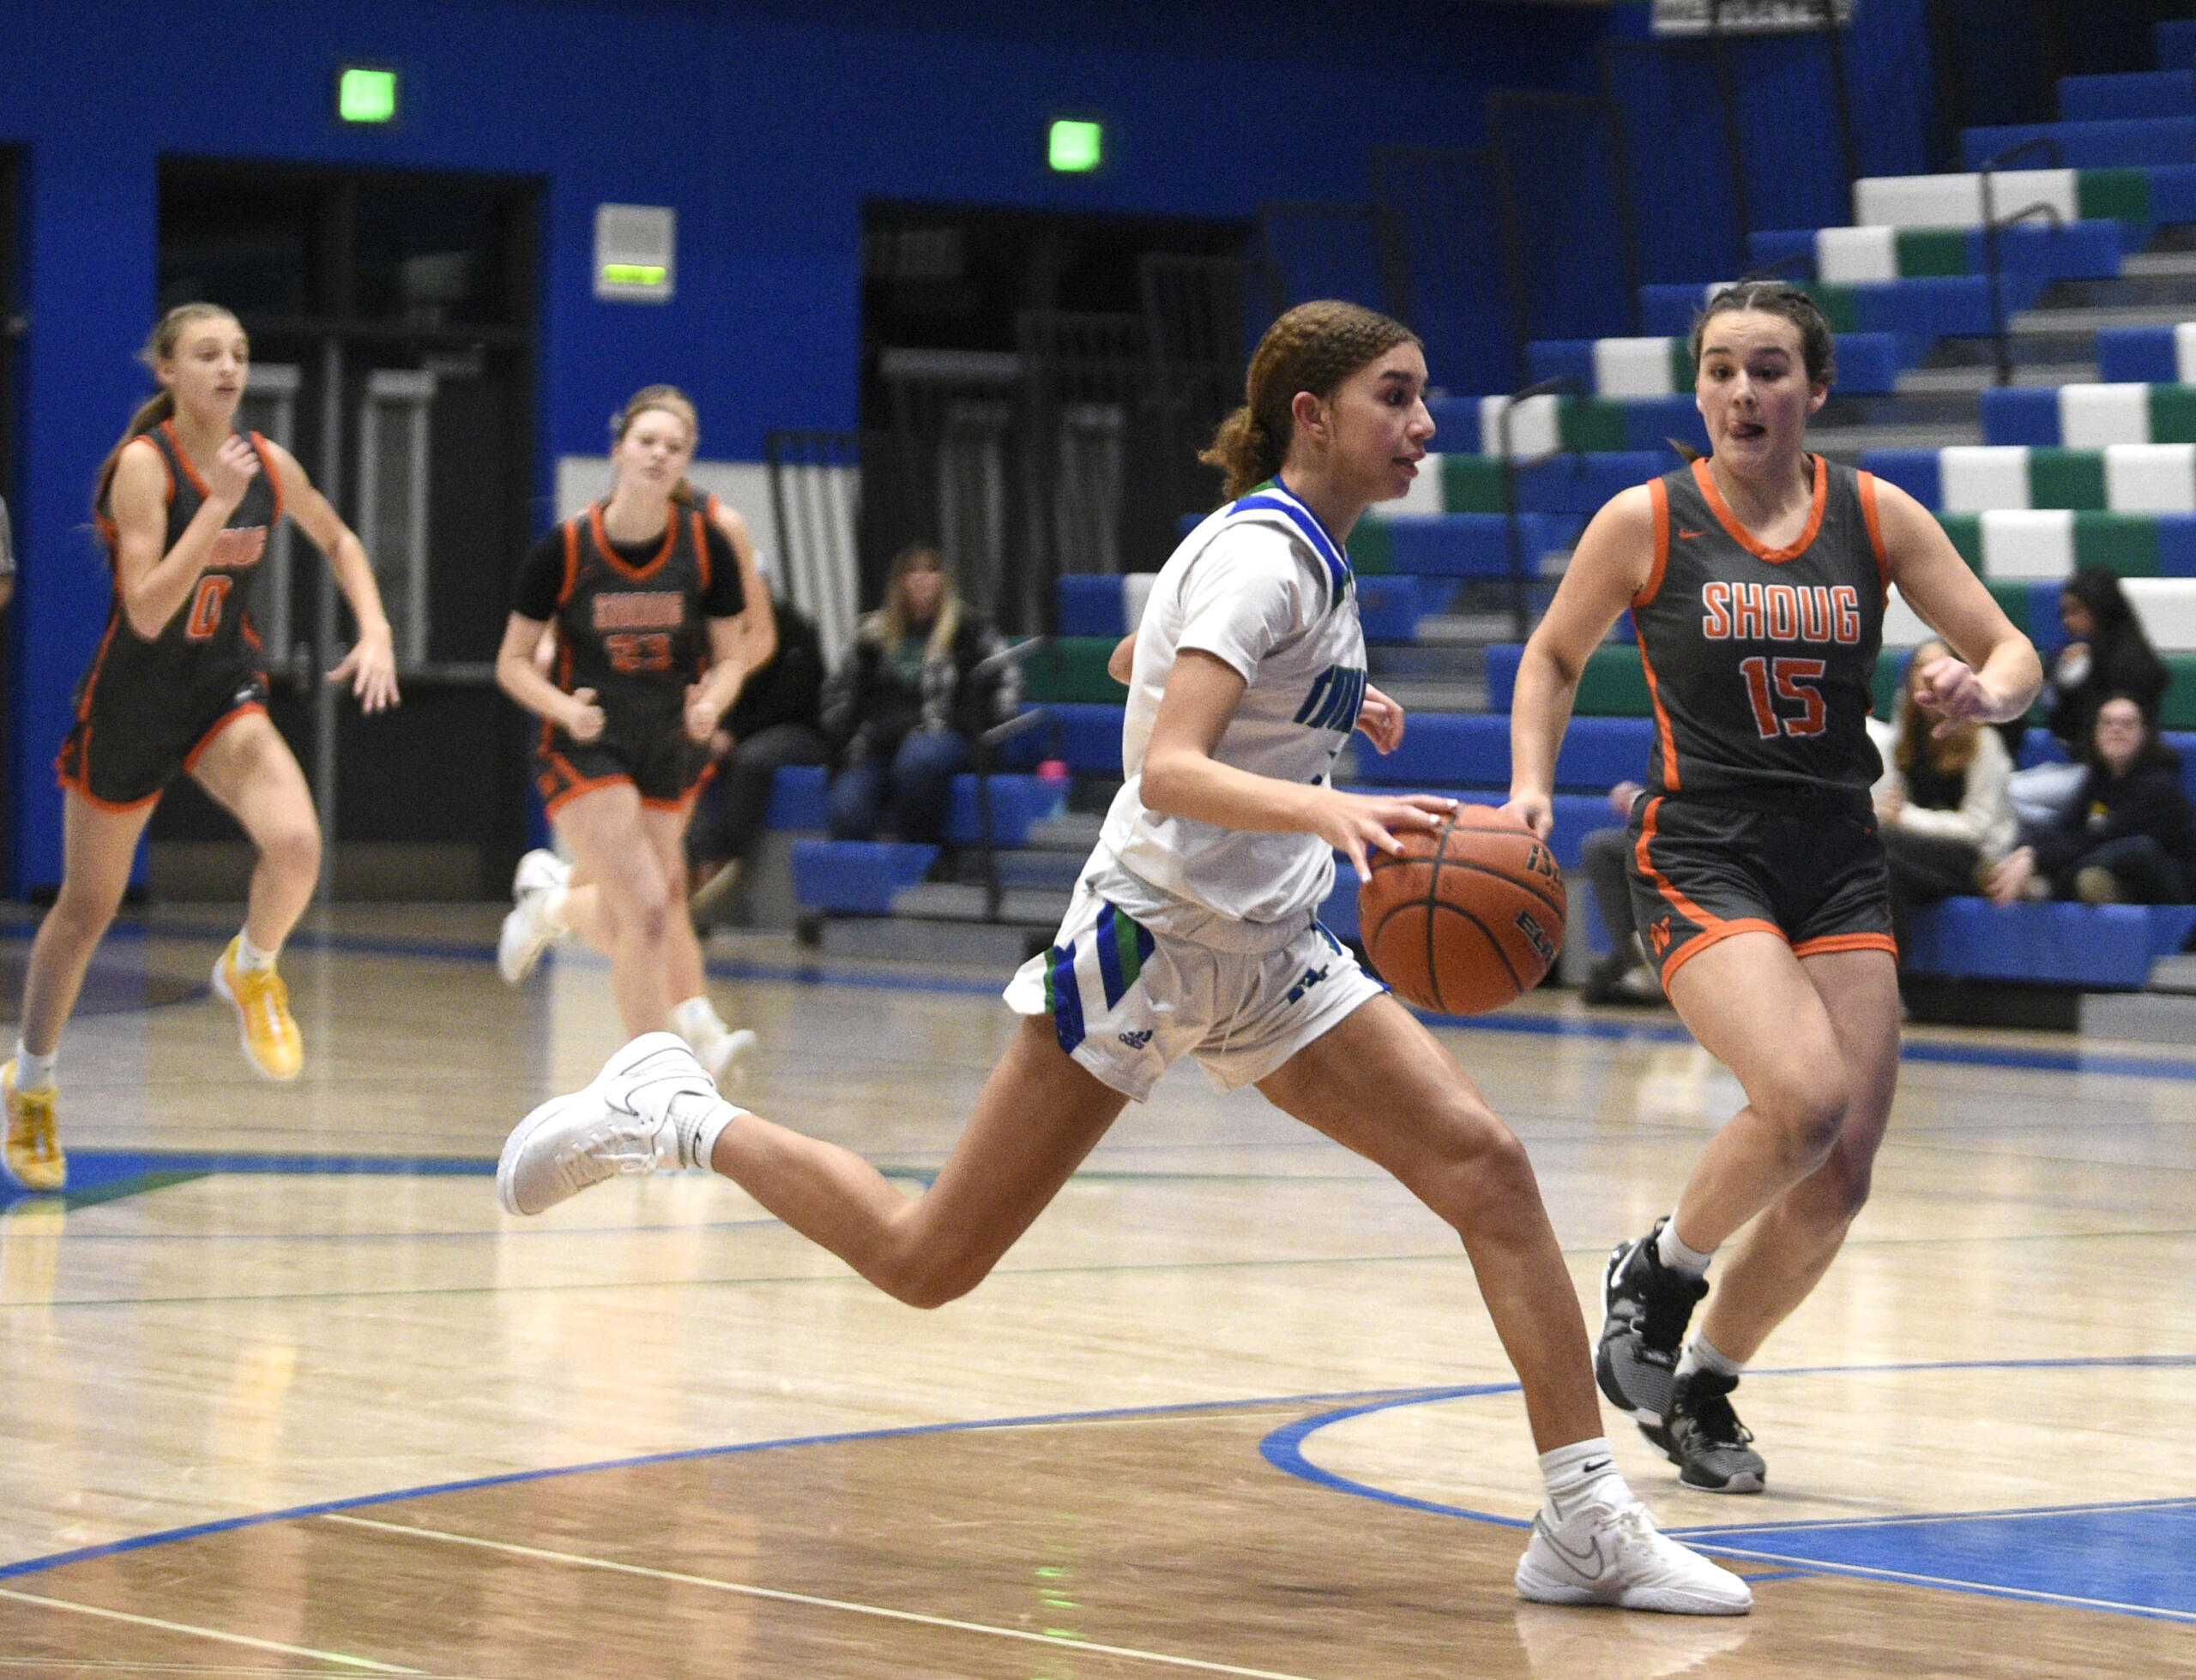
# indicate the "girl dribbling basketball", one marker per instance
pixel 1192 933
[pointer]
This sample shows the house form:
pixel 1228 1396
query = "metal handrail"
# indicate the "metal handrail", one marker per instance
pixel 986 745
pixel 1993 225
pixel 1561 384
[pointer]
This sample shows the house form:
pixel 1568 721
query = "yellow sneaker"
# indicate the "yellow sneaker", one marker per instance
pixel 32 1160
pixel 271 1041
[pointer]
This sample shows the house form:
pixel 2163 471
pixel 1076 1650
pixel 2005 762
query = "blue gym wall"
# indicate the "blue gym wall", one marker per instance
pixel 766 125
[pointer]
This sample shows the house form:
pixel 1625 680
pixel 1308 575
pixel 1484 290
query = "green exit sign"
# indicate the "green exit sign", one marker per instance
pixel 364 95
pixel 1074 148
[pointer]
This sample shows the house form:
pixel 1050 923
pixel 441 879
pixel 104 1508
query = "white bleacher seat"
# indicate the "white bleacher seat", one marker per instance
pixel 1632 368
pixel 1980 476
pixel 2151 478
pixel 1846 255
pixel 1535 426
pixel 2091 417
pixel 2035 543
pixel 2167 608
pixel 1956 200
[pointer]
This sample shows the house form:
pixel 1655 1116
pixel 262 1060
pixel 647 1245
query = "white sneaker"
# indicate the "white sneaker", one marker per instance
pixel 620 1122
pixel 721 1054
pixel 537 872
pixel 526 933
pixel 1615 1555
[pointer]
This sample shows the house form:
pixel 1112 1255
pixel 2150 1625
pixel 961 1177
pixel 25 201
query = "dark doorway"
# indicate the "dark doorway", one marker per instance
pixel 12 327
pixel 392 316
pixel 1036 388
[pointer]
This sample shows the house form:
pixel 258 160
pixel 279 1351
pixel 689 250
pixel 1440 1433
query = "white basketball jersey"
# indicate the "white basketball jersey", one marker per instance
pixel 1263 586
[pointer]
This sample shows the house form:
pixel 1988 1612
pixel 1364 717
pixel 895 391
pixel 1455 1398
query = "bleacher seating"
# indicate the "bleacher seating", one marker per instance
pixel 1918 311
pixel 2154 355
pixel 1867 364
pixel 2090 416
pixel 2108 946
pixel 2104 99
pixel 2143 197
pixel 2125 478
pixel 2092 249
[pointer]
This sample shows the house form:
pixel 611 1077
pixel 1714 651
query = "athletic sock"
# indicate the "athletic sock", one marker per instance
pixel 1702 1354
pixel 553 909
pixel 697 1019
pixel 1685 1261
pixel 698 1120
pixel 1584 1473
pixel 34 1073
pixel 250 959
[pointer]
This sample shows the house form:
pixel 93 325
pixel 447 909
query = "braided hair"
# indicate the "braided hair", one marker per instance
pixel 1314 347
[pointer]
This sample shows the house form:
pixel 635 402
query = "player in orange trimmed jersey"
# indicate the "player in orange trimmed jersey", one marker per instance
pixel 186 505
pixel 1757 579
pixel 658 614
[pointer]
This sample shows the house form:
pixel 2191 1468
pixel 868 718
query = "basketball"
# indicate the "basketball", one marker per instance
pixel 1467 917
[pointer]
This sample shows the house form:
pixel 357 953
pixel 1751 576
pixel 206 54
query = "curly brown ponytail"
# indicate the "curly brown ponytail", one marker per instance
pixel 1313 347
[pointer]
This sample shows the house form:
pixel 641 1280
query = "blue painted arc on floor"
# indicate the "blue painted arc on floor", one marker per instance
pixel 2130 1557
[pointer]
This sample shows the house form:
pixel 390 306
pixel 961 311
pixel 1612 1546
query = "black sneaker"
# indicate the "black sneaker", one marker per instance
pixel 1704 1437
pixel 1645 1307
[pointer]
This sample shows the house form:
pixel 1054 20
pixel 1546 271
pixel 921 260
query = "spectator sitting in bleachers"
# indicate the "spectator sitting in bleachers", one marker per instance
pixel 1625 975
pixel 777 721
pixel 2129 837
pixel 2106 652
pixel 908 701
pixel 1941 805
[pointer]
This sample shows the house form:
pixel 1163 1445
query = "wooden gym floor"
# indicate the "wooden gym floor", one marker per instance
pixel 284 1393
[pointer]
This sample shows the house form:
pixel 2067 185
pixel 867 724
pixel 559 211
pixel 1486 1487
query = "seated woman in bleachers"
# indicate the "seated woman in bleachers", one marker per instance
pixel 908 701
pixel 2129 837
pixel 2106 652
pixel 1941 806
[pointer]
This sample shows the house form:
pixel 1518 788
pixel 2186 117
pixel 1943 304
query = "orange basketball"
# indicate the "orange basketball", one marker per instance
pixel 1467 917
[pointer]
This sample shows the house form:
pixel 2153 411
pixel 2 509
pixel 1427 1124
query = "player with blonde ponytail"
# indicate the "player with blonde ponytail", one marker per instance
pixel 185 505
pixel 1193 933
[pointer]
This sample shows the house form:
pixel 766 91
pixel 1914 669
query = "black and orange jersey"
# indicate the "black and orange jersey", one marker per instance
pixel 631 618
pixel 1760 659
pixel 210 635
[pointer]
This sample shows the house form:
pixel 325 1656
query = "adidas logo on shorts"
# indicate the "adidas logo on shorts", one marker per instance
pixel 1137 1040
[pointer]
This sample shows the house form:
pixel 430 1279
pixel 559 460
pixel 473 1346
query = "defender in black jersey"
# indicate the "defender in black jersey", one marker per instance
pixel 649 594
pixel 1758 580
pixel 186 506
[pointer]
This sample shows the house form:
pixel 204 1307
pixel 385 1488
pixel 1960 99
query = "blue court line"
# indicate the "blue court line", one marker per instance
pixel 1114 1414
pixel 1999 1554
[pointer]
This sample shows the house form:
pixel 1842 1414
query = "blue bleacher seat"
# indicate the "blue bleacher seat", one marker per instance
pixel 856 878
pixel 1472 544
pixel 2108 946
pixel 2105 99
pixel 2128 143
pixel 1561 358
pixel 1018 801
pixel 1580 483
pixel 798 794
pixel 2021 414
pixel 1914 471
pixel 2175 40
pixel 2138 355
pixel 1452 749
pixel 1933 306
pixel 1091 605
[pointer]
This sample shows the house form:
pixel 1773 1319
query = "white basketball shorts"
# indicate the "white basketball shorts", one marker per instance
pixel 1128 1002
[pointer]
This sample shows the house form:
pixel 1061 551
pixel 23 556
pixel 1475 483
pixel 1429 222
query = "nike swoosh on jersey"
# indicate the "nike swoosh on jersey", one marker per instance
pixel 1687 536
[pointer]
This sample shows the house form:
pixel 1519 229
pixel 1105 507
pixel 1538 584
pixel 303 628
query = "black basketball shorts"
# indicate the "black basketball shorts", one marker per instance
pixel 665 767
pixel 1813 874
pixel 129 741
